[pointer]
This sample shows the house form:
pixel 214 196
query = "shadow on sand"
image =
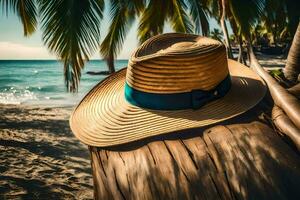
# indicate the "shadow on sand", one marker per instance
pixel 40 158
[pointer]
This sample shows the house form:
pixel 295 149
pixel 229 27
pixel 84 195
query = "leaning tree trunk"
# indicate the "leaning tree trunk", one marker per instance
pixel 292 68
pixel 225 31
pixel 287 106
pixel 110 63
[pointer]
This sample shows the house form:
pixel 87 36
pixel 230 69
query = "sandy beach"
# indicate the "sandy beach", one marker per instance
pixel 177 55
pixel 40 158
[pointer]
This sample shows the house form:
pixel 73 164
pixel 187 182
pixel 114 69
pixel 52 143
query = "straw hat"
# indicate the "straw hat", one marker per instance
pixel 173 82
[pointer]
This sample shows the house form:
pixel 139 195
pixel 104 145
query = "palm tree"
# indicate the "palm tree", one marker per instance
pixel 216 34
pixel 218 11
pixel 243 13
pixel 285 113
pixel 282 17
pixel 71 28
pixel 293 15
pixel 25 10
pixel 224 6
pixel 123 14
pixel 184 16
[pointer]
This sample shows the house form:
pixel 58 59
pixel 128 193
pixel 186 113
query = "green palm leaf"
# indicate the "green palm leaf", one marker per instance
pixel 123 13
pixel 215 8
pixel 71 30
pixel 199 12
pixel 293 14
pixel 179 19
pixel 26 11
pixel 246 13
pixel 153 19
pixel 157 12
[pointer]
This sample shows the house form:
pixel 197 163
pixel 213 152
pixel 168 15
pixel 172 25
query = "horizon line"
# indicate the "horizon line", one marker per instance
pixel 50 59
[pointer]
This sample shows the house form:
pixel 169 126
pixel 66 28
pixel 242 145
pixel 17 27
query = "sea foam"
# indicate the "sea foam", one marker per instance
pixel 16 96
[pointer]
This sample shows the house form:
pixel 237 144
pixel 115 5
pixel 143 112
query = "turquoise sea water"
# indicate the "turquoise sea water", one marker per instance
pixel 42 82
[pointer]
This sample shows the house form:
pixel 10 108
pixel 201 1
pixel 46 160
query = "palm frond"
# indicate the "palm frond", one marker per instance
pixel 216 34
pixel 157 12
pixel 122 17
pixel 215 8
pixel 293 14
pixel 269 15
pixel 71 30
pixel 136 6
pixel 179 19
pixel 199 13
pixel 246 13
pixel 26 11
pixel 153 19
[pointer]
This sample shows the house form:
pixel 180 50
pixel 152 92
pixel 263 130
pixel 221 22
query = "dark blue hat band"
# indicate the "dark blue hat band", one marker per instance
pixel 177 101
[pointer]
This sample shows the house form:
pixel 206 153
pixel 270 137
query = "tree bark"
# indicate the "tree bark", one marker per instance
pixel 286 126
pixel 292 68
pixel 110 63
pixel 225 31
pixel 282 98
pixel 222 162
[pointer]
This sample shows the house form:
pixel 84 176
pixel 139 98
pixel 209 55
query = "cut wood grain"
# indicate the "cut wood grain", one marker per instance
pixel 242 161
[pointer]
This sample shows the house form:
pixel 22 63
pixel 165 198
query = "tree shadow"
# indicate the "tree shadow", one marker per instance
pixel 251 162
pixel 41 159
pixel 257 113
pixel 32 189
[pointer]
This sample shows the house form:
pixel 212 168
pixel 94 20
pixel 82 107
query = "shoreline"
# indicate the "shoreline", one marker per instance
pixel 40 157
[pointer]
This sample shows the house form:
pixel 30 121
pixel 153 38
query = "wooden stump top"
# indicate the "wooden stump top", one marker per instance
pixel 242 161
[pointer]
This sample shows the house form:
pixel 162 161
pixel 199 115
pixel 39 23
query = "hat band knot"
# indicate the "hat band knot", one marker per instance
pixel 176 101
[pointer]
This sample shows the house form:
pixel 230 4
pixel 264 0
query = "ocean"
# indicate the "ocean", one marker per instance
pixel 41 82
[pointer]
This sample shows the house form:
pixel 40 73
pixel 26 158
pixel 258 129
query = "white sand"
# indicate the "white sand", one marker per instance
pixel 39 156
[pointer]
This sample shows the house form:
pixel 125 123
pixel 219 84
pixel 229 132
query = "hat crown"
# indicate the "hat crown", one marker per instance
pixel 176 63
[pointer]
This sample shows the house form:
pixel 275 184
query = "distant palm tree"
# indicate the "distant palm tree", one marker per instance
pixel 218 11
pixel 241 14
pixel 71 28
pixel 216 34
pixel 280 18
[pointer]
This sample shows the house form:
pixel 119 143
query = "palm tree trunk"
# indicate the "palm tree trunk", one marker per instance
pixel 292 67
pixel 241 53
pixel 110 64
pixel 286 116
pixel 225 31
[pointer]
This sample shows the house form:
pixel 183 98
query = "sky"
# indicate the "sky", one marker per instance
pixel 14 46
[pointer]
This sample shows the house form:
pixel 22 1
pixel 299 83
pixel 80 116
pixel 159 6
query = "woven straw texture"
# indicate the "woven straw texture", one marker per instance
pixel 104 118
pixel 175 63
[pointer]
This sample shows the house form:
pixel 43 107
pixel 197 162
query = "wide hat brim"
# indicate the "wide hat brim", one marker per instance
pixel 104 118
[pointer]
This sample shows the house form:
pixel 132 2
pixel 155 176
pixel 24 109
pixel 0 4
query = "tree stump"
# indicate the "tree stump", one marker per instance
pixel 240 161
